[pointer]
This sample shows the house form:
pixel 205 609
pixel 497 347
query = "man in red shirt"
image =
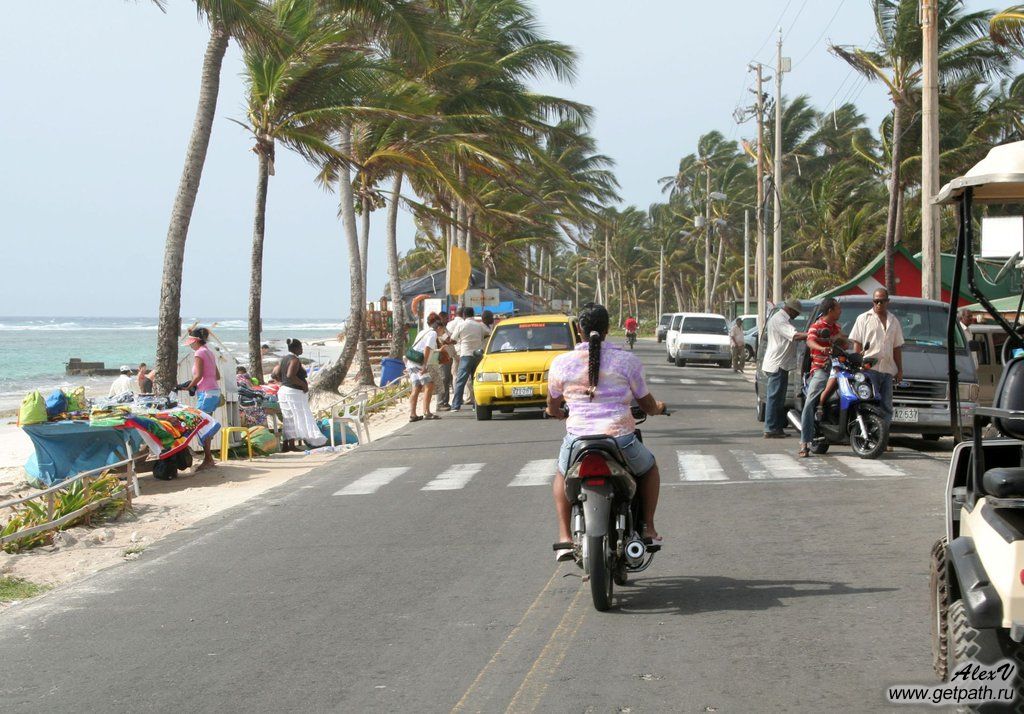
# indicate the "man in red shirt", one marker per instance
pixel 820 347
pixel 631 325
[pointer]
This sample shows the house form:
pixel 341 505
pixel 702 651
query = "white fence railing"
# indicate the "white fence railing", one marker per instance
pixel 49 497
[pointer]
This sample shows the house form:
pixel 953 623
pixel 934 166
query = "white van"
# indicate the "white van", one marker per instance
pixel 698 337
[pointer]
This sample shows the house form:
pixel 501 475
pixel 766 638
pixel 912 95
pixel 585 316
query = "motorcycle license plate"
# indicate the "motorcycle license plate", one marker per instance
pixel 904 414
pixel 522 391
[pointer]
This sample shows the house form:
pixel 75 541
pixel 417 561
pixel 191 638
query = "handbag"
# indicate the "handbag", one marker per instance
pixel 414 355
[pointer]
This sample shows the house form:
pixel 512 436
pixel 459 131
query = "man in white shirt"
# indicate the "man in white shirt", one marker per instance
pixel 739 351
pixel 468 337
pixel 779 359
pixel 123 383
pixel 878 335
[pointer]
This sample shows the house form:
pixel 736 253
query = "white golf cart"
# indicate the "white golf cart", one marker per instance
pixel 977 578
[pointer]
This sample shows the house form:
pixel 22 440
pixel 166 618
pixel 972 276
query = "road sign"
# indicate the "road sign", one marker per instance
pixel 479 299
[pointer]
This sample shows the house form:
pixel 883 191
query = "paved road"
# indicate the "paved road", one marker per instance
pixel 417 575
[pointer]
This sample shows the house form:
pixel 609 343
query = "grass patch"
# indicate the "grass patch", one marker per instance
pixel 19 589
pixel 133 550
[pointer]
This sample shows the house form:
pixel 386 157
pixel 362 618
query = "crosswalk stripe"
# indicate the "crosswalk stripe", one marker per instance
pixel 694 466
pixel 687 381
pixel 718 383
pixel 657 380
pixel 869 467
pixel 535 473
pixel 454 477
pixel 771 466
pixel 365 485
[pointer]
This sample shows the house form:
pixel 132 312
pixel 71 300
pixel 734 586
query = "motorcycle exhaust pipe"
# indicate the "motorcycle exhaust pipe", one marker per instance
pixel 635 551
pixel 794 418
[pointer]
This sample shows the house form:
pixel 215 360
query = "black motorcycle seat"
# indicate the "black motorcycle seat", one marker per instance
pixel 597 442
pixel 1004 482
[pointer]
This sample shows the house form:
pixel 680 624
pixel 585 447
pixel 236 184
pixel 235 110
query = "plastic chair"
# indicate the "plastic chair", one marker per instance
pixel 225 440
pixel 353 413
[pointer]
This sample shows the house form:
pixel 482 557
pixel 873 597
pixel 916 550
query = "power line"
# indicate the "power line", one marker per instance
pixel 792 24
pixel 815 43
pixel 772 31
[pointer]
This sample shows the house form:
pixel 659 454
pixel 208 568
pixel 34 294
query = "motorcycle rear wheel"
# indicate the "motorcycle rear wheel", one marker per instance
pixel 601 583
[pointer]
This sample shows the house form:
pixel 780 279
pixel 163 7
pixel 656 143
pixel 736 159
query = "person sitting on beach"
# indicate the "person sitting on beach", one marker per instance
pixel 242 378
pixel 123 384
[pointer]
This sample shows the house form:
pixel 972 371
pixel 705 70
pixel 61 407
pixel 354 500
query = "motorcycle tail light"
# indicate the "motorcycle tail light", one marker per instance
pixel 594 481
pixel 593 465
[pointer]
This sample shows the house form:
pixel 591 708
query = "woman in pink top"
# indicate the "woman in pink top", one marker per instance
pixel 598 381
pixel 205 377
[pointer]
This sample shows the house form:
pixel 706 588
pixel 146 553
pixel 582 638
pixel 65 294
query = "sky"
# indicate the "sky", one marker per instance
pixel 95 122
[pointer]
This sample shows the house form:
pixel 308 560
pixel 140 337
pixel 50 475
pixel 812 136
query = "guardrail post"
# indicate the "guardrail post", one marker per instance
pixel 85 495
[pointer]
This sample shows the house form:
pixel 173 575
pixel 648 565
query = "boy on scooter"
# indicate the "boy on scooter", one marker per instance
pixel 822 377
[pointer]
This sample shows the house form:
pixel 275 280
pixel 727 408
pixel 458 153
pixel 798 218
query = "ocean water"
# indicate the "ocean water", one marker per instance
pixel 34 350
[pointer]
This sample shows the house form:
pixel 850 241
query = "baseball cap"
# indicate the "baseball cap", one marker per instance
pixel 793 304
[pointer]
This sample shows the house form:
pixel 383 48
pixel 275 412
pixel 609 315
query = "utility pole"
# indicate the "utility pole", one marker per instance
pixel 661 280
pixel 781 65
pixel 605 293
pixel 930 246
pixel 707 238
pixel 760 260
pixel 746 261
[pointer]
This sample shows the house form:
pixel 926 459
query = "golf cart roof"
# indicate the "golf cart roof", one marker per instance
pixel 998 178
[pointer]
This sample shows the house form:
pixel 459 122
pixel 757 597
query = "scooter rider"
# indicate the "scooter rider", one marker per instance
pixel 599 381
pixel 823 334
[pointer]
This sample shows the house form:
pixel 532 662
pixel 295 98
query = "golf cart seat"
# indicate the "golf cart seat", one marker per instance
pixel 1010 395
pixel 1004 482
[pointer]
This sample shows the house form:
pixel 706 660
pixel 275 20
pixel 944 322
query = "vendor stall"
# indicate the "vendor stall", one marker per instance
pixel 66 448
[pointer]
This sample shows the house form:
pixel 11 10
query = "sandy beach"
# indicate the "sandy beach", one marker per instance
pixel 162 508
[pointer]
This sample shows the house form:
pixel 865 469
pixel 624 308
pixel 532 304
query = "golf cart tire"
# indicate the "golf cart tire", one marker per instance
pixel 986 646
pixel 939 588
pixel 820 446
pixel 680 362
pixel 483 413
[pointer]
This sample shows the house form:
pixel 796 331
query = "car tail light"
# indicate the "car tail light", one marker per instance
pixel 594 465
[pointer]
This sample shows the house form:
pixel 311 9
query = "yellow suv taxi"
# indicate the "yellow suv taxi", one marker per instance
pixel 513 373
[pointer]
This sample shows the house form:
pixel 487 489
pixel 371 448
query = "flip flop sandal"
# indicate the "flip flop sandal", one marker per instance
pixel 431 416
pixel 415 418
pixel 803 453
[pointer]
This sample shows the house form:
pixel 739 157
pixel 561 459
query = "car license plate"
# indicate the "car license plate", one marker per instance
pixel 522 391
pixel 904 414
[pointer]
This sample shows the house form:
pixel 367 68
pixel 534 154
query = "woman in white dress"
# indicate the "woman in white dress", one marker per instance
pixel 294 400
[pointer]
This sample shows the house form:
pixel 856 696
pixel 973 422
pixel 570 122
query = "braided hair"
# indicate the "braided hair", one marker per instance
pixel 594 322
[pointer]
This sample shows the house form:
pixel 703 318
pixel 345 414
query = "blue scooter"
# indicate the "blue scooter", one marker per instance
pixel 853 413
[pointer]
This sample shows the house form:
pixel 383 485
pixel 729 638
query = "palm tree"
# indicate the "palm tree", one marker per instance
pixel 964 50
pixel 1007 27
pixel 309 74
pixel 240 19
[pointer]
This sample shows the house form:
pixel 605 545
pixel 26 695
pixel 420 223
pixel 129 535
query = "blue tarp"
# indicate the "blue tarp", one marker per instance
pixel 66 448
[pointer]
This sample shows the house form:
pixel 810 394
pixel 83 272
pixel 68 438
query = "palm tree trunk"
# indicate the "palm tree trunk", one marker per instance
pixel 365 371
pixel 169 317
pixel 397 305
pixel 256 264
pixel 332 377
pixel 894 188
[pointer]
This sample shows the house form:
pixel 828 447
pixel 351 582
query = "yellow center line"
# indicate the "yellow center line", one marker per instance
pixel 511 635
pixel 535 683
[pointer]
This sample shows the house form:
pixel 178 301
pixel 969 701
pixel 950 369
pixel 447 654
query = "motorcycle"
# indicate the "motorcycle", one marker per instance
pixel 853 412
pixel 607 515
pixel 631 339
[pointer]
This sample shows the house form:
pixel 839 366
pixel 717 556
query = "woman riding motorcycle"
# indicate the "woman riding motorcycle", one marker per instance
pixel 598 381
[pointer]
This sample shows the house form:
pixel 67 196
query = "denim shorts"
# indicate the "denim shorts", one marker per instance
pixel 638 457
pixel 208 401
